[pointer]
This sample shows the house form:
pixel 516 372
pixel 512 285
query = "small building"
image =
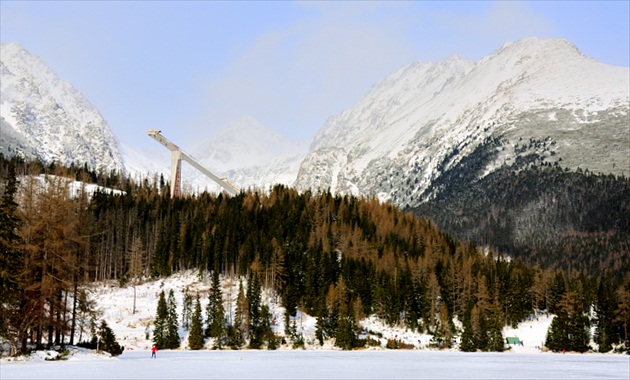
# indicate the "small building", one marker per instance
pixel 512 340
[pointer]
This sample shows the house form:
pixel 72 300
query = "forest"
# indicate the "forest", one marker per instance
pixel 537 211
pixel 337 258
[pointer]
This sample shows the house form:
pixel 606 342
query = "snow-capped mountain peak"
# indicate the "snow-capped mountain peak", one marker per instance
pixel 425 117
pixel 47 118
pixel 245 143
pixel 248 154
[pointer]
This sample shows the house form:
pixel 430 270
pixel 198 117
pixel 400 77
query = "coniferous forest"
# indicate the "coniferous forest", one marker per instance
pixel 536 211
pixel 338 258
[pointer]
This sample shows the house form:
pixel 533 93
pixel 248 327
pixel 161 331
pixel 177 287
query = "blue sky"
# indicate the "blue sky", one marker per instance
pixel 190 68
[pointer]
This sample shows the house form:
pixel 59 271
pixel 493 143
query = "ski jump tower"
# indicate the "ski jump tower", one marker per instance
pixel 176 166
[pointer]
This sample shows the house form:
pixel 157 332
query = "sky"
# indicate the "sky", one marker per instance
pixel 190 68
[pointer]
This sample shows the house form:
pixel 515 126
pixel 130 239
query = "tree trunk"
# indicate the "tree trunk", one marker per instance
pixel 51 321
pixel 64 318
pixel 134 299
pixel 74 312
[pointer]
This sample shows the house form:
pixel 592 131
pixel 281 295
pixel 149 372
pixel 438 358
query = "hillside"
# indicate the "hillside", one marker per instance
pixel 546 215
pixel 116 302
pixel 339 259
pixel 526 150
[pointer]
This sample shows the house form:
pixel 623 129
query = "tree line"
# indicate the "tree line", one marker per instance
pixel 338 258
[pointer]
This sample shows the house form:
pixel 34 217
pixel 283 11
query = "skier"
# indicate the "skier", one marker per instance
pixel 153 351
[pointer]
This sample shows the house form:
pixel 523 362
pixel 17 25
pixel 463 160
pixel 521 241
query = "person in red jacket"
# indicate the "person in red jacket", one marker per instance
pixel 153 351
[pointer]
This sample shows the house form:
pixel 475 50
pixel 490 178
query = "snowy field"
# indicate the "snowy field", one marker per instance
pixel 131 329
pixel 251 364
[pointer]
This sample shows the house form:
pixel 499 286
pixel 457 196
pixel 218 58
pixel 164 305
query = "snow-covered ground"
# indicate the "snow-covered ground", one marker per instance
pixel 524 361
pixel 382 364
pixel 116 304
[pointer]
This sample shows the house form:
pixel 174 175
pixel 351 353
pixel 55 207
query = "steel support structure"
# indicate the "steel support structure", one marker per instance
pixel 176 167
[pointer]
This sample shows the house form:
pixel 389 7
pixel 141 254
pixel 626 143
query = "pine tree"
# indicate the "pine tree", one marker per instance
pixel 266 333
pixel 135 269
pixel 604 308
pixel 107 340
pixel 172 338
pixel 495 324
pixel 216 312
pixel 467 343
pixel 11 266
pixel 187 306
pixel 346 326
pixel 160 332
pixel 569 330
pixel 239 329
pixel 622 313
pixel 254 305
pixel 443 331
pixel 320 324
pixel 196 336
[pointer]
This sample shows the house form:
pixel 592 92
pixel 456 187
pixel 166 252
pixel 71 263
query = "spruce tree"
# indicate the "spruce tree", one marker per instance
pixel 605 333
pixel 494 322
pixel 172 340
pixel 255 322
pixel 467 343
pixel 622 312
pixel 569 329
pixel 287 323
pixel 196 336
pixel 346 337
pixel 557 338
pixel 266 333
pixel 160 332
pixel 443 331
pixel 216 312
pixel 107 340
pixel 239 329
pixel 187 309
pixel 320 324
pixel 11 262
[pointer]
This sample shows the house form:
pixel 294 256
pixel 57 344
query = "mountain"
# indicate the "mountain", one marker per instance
pixel 249 155
pixel 535 96
pixel 526 150
pixel 46 118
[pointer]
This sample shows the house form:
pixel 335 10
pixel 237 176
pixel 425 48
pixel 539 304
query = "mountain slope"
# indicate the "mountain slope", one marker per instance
pixel 424 119
pixel 45 117
pixel 249 155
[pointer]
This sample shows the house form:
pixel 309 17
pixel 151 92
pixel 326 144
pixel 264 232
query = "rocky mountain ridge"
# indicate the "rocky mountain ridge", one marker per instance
pixel 46 118
pixel 423 119
pixel 533 96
